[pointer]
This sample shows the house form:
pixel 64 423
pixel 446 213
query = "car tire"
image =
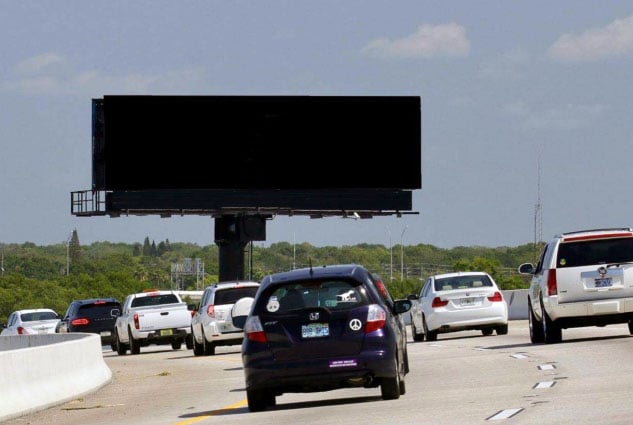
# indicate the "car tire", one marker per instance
pixel 631 327
pixel 120 348
pixel 502 330
pixel 189 341
pixel 429 335
pixel 259 400
pixel 198 349
pixel 417 337
pixel 535 327
pixel 208 348
pixel 487 331
pixel 552 333
pixel 176 345
pixel 390 387
pixel 135 345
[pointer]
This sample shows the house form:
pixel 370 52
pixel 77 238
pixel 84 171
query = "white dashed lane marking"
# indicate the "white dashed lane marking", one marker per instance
pixel 547 367
pixel 544 384
pixel 504 414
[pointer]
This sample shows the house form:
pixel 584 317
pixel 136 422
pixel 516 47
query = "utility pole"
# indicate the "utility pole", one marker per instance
pixel 391 255
pixel 402 254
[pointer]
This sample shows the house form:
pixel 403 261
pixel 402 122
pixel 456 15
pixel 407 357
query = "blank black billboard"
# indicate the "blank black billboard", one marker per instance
pixel 256 142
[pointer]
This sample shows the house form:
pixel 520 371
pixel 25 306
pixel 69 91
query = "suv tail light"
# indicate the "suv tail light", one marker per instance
pixel 496 297
pixel 81 321
pixel 211 311
pixel 438 302
pixel 552 287
pixel 254 330
pixel 376 318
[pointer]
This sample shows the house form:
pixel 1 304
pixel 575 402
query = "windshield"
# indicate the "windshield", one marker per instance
pixel 598 251
pixel 462 282
pixel 331 294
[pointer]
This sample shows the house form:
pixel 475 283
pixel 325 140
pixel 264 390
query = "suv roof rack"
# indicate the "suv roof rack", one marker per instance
pixel 626 229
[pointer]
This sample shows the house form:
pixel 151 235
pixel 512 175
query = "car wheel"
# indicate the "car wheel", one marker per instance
pixel 631 327
pixel 487 331
pixel 416 336
pixel 120 348
pixel 429 335
pixel 189 341
pixel 135 345
pixel 259 400
pixel 176 345
pixel 536 329
pixel 390 387
pixel 198 349
pixel 552 333
pixel 208 348
pixel 502 330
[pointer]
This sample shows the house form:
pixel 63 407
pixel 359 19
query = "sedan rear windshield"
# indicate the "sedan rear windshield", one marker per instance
pixel 42 315
pixel 331 294
pixel 597 251
pixel 462 282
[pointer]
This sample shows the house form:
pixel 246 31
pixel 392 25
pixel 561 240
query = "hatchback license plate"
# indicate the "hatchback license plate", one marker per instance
pixel 602 282
pixel 315 330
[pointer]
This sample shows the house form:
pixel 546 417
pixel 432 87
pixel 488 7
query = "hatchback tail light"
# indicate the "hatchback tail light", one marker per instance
pixel 496 297
pixel 254 330
pixel 552 286
pixel 376 318
pixel 438 302
pixel 211 311
pixel 80 321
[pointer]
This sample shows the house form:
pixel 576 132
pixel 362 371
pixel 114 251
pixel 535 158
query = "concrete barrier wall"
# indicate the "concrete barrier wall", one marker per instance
pixel 517 304
pixel 40 371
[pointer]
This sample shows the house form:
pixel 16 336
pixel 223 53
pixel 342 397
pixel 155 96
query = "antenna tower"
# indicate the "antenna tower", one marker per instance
pixel 538 213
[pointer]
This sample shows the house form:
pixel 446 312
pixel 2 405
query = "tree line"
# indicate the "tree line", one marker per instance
pixel 52 276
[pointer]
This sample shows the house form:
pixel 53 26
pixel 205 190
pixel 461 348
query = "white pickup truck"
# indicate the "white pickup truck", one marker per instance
pixel 153 317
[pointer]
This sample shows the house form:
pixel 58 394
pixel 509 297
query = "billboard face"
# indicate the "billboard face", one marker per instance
pixel 256 142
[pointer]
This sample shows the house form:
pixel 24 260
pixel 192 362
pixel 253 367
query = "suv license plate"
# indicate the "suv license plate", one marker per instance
pixel 315 330
pixel 602 282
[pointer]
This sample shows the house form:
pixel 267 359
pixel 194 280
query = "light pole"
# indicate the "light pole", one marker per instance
pixel 68 254
pixel 402 254
pixel 391 255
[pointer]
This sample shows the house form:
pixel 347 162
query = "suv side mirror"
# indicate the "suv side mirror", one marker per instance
pixel 115 312
pixel 413 297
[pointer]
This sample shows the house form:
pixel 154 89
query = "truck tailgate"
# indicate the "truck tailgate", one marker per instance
pixel 172 316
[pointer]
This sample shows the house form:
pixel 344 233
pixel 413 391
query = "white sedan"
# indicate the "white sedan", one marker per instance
pixel 31 322
pixel 460 301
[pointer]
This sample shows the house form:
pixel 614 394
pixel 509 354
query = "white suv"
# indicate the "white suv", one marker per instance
pixel 212 323
pixel 583 278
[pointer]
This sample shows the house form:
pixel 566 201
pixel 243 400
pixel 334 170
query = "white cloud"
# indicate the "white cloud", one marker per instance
pixel 561 117
pixel 428 41
pixel 616 39
pixel 52 74
pixel 39 63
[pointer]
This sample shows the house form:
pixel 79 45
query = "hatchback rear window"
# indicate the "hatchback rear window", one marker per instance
pixel 331 294
pixel 231 295
pixel 597 251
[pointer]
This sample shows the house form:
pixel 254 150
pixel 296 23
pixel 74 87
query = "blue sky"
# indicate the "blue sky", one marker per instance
pixel 507 89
